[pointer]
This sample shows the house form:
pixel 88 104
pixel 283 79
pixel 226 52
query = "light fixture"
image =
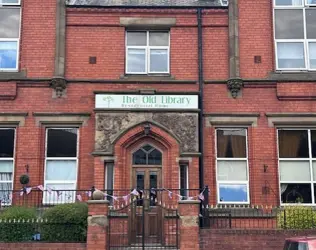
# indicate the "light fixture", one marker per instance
pixel 147 128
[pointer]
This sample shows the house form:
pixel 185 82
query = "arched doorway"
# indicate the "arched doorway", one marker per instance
pixel 147 172
pixel 147 178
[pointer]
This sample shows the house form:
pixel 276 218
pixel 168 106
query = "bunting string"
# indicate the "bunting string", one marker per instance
pixel 125 198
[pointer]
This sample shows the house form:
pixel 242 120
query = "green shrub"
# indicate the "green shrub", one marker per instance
pixel 17 224
pixel 65 223
pixel 297 217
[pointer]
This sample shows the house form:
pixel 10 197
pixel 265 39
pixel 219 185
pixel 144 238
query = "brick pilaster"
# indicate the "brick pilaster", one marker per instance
pixel 189 225
pixel 97 225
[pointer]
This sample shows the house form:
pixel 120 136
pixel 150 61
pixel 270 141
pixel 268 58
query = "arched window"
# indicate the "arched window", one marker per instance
pixel 147 155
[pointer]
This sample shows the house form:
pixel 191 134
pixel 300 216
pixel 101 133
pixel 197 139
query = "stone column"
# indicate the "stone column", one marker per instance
pixel 189 225
pixel 97 224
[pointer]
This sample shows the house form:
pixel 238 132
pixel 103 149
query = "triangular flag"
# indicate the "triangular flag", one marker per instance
pixel 89 193
pixel 49 190
pixel 170 194
pixel 79 198
pixel 40 187
pixel 28 190
pixel 134 192
pixel 21 192
pixel 126 197
pixel 201 196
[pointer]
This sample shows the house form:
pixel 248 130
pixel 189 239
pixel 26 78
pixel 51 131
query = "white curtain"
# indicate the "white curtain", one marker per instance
pixel 290 50
pixel 295 171
pixel 61 170
pixel 283 188
pixel 232 170
pixel 6 169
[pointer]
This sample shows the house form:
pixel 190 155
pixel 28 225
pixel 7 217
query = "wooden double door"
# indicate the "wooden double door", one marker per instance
pixel 146 216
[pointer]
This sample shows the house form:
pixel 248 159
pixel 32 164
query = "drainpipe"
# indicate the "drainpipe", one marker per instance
pixel 201 87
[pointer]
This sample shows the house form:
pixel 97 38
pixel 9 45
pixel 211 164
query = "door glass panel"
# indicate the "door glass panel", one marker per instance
pixel 140 185
pixel 153 184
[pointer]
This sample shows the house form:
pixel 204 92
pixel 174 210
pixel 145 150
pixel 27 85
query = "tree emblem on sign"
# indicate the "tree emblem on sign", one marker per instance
pixel 108 99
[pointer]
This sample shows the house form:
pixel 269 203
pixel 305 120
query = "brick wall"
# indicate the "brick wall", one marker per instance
pixel 42 246
pixel 247 239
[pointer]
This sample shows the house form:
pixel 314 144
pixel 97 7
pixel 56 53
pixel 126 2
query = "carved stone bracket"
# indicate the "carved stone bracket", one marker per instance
pixel 234 85
pixel 59 84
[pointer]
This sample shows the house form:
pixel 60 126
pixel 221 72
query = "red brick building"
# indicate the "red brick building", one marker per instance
pixel 172 94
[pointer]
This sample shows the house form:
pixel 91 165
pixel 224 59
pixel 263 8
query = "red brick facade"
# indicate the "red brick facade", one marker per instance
pixel 96 32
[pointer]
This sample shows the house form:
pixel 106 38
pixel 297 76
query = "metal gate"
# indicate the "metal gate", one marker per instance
pixel 143 223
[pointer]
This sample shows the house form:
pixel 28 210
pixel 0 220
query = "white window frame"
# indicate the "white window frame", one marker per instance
pixel 186 164
pixel 218 182
pixel 11 4
pixel 52 182
pixel 305 40
pixel 13 162
pixel 309 4
pixel 147 49
pixel 18 6
pixel 310 159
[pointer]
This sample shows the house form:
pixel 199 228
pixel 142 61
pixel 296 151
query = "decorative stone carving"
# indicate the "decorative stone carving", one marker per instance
pixel 185 126
pixel 59 84
pixel 235 85
pixel 109 126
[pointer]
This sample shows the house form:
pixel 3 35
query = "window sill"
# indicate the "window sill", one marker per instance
pixel 167 78
pixel 293 76
pixel 12 75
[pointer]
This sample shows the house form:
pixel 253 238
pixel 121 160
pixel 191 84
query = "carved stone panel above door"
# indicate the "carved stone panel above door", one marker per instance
pixel 110 126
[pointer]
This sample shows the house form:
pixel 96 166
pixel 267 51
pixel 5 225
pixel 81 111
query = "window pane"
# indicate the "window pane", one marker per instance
pixel 62 142
pixel 231 143
pixel 158 60
pixel 9 1
pixel 296 193
pixel 311 23
pixel 232 170
pixel 109 176
pixel 183 177
pixel 293 144
pixel 294 171
pixel 6 167
pixel 313 138
pixel 136 60
pixel 288 2
pixel 233 192
pixel 62 196
pixel 136 38
pixel 155 157
pixel 140 180
pixel 159 38
pixel 311 1
pixel 9 22
pixel 291 55
pixel 6 143
pixel 147 148
pixel 5 193
pixel 289 24
pixel 139 157
pixel 61 170
pixel 8 55
pixel 312 55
